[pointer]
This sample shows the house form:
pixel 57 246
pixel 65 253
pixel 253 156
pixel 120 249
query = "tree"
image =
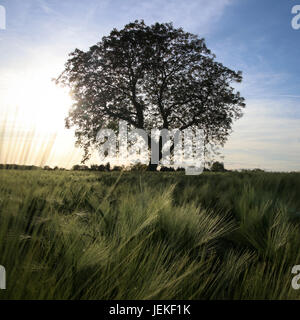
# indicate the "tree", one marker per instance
pixel 151 77
pixel 78 167
pixel 167 169
pixel 94 167
pixel 217 167
pixel 258 170
pixel 117 168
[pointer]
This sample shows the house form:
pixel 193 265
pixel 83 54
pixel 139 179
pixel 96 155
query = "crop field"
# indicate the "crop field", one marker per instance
pixel 143 235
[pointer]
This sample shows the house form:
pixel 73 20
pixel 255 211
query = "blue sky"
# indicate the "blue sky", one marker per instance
pixel 253 36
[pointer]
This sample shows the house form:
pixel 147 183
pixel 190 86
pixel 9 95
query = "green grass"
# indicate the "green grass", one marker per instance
pixel 89 235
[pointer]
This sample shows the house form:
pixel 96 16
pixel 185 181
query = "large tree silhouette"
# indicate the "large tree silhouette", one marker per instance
pixel 152 77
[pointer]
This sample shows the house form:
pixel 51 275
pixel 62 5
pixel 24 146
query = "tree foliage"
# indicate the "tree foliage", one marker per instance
pixel 217 167
pixel 154 76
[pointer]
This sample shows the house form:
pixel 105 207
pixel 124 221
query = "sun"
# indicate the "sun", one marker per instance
pixel 33 110
pixel 40 102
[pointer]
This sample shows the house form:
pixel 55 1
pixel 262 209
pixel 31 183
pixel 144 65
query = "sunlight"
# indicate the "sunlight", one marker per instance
pixel 41 104
pixel 33 110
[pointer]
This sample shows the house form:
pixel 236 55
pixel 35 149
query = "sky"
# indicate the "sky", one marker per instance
pixel 254 36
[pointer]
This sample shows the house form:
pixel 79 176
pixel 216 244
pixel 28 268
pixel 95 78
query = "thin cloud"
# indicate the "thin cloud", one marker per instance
pixel 193 15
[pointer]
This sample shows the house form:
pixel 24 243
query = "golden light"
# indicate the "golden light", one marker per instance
pixel 41 103
pixel 32 129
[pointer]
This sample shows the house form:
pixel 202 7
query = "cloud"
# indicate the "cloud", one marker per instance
pixel 267 136
pixel 201 15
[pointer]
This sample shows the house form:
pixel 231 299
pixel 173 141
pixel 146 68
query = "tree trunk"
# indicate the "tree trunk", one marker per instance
pixel 152 167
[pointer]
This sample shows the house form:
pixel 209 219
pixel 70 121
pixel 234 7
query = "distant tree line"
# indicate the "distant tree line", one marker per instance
pixel 214 167
pixel 18 167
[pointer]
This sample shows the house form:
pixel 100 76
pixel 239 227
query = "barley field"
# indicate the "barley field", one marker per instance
pixel 143 235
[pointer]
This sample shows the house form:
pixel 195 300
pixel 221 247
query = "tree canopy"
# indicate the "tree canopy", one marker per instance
pixel 217 167
pixel 154 76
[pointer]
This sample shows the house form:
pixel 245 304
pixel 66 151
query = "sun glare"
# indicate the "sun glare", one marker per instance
pixel 41 104
pixel 33 110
